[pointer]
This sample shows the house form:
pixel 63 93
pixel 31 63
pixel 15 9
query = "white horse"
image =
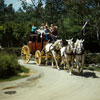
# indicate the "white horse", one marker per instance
pixel 48 51
pixel 53 48
pixel 79 55
pixel 67 55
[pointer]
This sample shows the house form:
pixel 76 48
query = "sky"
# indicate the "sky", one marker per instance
pixel 16 3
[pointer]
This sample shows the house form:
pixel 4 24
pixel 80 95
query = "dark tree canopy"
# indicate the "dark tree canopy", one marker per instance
pixel 68 15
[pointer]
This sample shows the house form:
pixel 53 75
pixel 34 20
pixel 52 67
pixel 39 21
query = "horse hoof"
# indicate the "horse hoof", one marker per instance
pixel 70 73
pixel 58 69
pixel 67 71
pixel 81 72
pixel 65 68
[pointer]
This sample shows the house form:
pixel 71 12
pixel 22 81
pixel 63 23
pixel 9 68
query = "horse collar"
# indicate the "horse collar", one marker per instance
pixel 80 53
pixel 70 53
pixel 50 47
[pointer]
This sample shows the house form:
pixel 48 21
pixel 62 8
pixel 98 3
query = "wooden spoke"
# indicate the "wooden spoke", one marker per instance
pixel 25 54
pixel 38 57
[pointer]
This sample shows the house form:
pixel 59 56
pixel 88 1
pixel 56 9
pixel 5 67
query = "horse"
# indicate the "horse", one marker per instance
pixel 67 55
pixel 79 55
pixel 48 51
pixel 53 48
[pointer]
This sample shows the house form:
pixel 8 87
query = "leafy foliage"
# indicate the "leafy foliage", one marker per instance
pixel 14 51
pixel 92 58
pixel 68 15
pixel 8 65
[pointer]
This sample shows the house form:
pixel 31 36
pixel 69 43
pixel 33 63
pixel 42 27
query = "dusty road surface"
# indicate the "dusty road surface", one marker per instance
pixel 56 85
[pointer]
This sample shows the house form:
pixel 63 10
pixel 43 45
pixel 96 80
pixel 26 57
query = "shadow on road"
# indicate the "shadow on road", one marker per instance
pixel 86 74
pixel 10 92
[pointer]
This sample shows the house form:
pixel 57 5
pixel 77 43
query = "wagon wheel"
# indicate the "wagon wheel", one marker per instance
pixel 25 54
pixel 38 57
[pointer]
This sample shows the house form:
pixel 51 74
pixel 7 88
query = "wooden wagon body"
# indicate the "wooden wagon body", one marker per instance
pixel 34 49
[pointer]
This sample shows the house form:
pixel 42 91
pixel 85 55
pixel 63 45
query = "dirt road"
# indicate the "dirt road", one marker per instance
pixel 56 85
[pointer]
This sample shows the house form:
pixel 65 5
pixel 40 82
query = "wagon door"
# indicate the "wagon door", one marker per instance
pixel 39 44
pixel 32 44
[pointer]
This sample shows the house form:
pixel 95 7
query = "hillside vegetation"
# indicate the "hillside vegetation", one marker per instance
pixel 68 15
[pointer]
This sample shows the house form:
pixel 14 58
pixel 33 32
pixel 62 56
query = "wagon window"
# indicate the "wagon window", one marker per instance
pixel 34 39
pixel 30 38
pixel 39 39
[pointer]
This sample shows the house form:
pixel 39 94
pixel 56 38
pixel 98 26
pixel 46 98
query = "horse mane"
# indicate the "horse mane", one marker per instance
pixel 76 43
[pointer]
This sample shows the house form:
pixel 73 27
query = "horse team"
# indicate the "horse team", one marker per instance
pixel 66 54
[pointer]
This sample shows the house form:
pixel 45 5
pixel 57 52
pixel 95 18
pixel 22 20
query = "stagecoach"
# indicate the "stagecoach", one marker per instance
pixel 34 49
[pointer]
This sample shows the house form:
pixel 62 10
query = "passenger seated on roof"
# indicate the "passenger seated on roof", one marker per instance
pixel 41 30
pixel 42 26
pixel 46 32
pixel 53 30
pixel 34 29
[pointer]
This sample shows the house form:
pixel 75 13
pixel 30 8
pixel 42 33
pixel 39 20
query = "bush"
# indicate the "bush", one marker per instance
pixel 12 50
pixel 8 65
pixel 91 58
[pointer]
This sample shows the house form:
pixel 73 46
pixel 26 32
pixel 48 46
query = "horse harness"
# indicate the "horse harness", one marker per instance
pixel 80 53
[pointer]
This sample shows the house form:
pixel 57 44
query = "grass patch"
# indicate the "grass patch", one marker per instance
pixel 16 77
pixel 92 68
pixel 24 69
pixel 13 78
pixel 10 68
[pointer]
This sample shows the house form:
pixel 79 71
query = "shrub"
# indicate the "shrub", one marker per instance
pixel 8 65
pixel 12 50
pixel 91 58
